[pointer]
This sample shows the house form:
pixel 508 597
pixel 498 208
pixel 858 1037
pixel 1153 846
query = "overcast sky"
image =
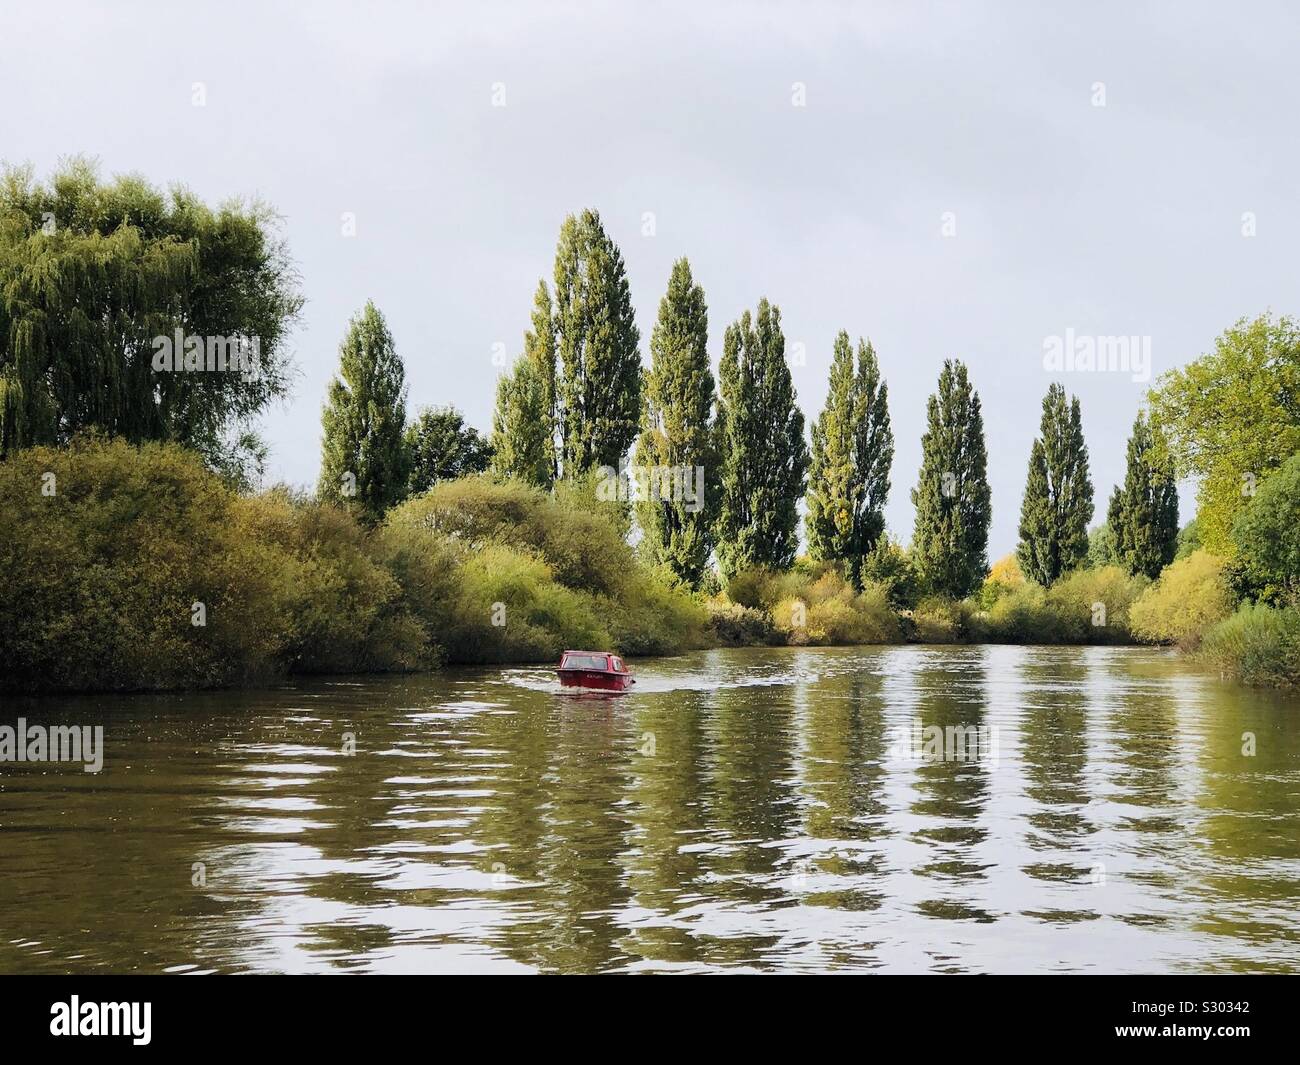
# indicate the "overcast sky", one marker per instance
pixel 1117 220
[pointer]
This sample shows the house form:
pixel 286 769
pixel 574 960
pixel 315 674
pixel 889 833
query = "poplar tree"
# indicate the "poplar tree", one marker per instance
pixel 1057 504
pixel 364 460
pixel 539 350
pixel 1143 512
pixel 521 440
pixel 952 498
pixel 852 450
pixel 598 379
pixel 764 455
pixel 677 434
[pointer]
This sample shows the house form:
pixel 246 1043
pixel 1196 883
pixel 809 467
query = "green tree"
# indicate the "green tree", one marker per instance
pixel 539 349
pixel 952 498
pixel 363 455
pixel 521 444
pixel 598 381
pixel 763 452
pixel 677 434
pixel 1144 510
pixel 1267 536
pixel 97 279
pixel 1057 504
pixel 852 451
pixel 1232 417
pixel 441 447
pixel 1101 546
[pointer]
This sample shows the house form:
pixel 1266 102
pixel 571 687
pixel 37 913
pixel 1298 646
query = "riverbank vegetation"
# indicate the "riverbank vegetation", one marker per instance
pixel 647 509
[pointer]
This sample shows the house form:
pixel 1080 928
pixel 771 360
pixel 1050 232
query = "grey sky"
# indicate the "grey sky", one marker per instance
pixel 1117 220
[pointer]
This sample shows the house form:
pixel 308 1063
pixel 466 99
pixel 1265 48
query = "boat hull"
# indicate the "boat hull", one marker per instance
pixel 595 679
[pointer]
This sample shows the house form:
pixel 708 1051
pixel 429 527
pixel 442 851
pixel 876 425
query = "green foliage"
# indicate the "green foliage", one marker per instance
pixel 441 447
pixel 1189 539
pixel 598 384
pixel 764 455
pixel 1190 596
pixel 539 352
pixel 363 455
pixel 1101 546
pixel 1267 536
pixel 561 567
pixel 1258 644
pixel 1232 417
pixel 852 451
pixel 939 619
pixel 733 625
pixel 343 610
pixel 91 272
pixel 1085 606
pixel 1143 511
pixel 890 567
pixel 98 580
pixel 678 434
pixel 1004 578
pixel 952 497
pixel 1057 504
pixel 520 444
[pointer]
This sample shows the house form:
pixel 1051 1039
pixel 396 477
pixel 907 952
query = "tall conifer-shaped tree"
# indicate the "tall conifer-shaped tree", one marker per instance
pixel 522 444
pixel 852 451
pixel 677 434
pixel 764 455
pixel 1143 513
pixel 363 456
pixel 598 380
pixel 1057 505
pixel 539 349
pixel 952 498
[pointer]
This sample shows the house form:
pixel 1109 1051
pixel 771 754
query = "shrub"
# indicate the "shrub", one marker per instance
pixel 582 547
pixel 1004 577
pixel 1021 615
pixel 741 626
pixel 938 619
pixel 1189 596
pixel 1258 645
pixel 1093 605
pixel 344 610
pixel 104 550
pixel 889 566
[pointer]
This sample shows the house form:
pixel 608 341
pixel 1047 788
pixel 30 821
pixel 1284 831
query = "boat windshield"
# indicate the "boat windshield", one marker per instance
pixel 586 662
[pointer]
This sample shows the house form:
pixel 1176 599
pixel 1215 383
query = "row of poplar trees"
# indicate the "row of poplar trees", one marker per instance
pixel 577 399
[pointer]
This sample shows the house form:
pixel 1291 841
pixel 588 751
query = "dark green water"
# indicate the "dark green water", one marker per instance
pixel 742 810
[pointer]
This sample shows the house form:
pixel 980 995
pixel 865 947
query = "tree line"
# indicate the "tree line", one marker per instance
pixel 577 400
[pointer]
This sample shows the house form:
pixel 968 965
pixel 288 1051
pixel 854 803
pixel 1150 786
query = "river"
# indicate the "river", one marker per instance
pixel 904 809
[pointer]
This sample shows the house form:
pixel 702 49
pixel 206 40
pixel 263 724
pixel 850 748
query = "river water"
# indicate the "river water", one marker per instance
pixel 907 809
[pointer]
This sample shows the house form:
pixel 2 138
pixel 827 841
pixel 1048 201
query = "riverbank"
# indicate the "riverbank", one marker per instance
pixel 131 569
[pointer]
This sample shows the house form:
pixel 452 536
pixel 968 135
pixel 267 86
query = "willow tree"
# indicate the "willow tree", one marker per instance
pixel 598 376
pixel 852 451
pixel 99 278
pixel 364 457
pixel 1057 503
pixel 952 497
pixel 1143 512
pixel 677 446
pixel 763 452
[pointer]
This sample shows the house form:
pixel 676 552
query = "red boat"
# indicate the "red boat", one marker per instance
pixel 594 669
